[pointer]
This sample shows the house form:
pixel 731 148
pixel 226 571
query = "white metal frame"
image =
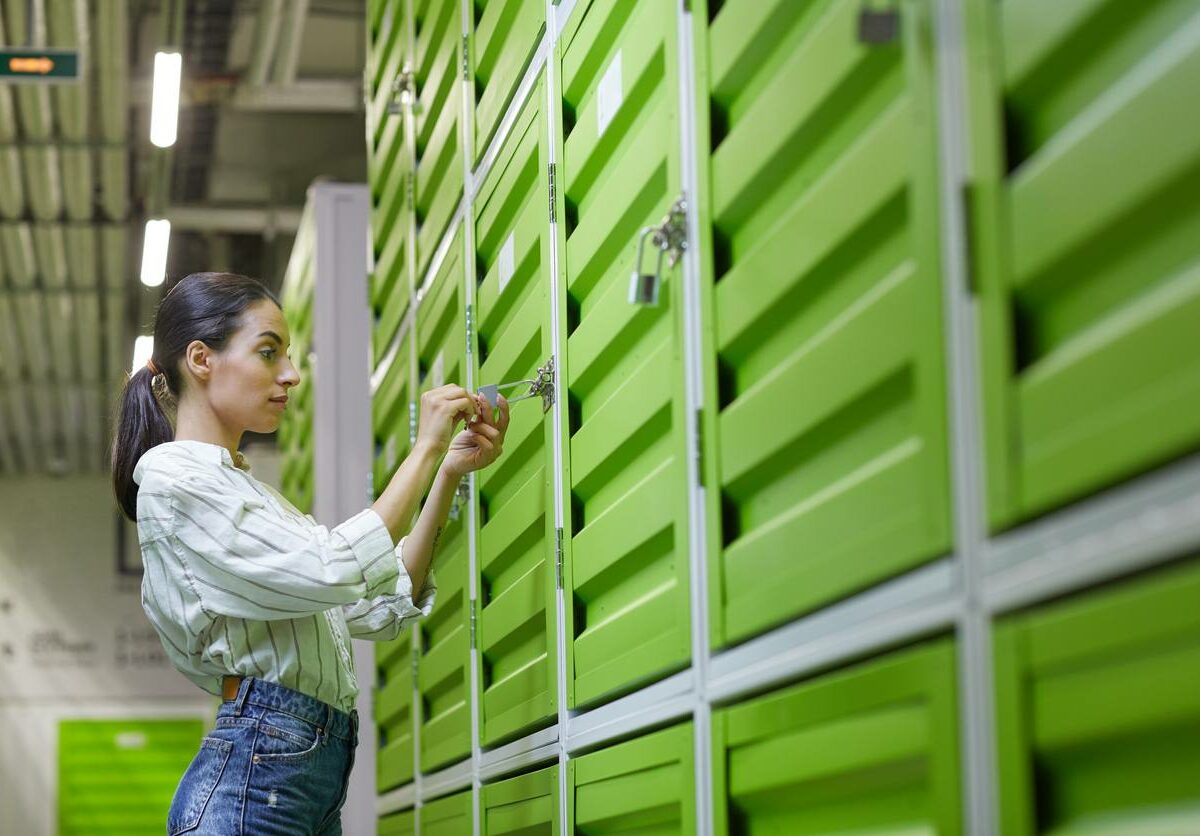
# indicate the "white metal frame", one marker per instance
pixel 1149 520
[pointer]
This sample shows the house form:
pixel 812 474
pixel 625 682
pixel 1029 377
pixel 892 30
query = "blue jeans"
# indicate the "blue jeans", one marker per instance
pixel 276 762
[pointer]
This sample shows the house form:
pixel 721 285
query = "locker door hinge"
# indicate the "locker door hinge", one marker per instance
pixel 553 189
pixel 410 188
pixel 967 195
pixel 473 628
pixel 700 447
pixel 415 659
pixel 466 70
pixel 412 423
pixel 469 352
pixel 558 557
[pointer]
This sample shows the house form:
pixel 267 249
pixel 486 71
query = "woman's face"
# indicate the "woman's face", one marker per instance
pixel 252 375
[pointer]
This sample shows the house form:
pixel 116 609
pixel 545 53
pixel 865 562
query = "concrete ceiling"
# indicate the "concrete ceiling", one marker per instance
pixel 271 100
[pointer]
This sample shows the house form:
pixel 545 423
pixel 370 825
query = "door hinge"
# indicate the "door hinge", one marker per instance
pixel 967 195
pixel 415 660
pixel 558 557
pixel 473 628
pixel 553 188
pixel 410 188
pixel 466 66
pixel 469 352
pixel 700 447
pixel 412 423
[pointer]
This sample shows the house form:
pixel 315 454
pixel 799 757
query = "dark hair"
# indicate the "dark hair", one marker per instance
pixel 203 306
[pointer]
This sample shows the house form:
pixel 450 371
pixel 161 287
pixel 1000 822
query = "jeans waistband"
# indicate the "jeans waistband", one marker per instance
pixel 276 697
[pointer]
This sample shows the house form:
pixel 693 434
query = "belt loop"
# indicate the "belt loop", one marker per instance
pixel 243 693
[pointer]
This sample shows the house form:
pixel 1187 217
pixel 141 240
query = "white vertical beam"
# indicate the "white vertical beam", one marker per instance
pixel 342 417
pixel 977 710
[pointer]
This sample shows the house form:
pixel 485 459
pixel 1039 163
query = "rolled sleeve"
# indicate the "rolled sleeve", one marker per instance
pixel 382 617
pixel 370 542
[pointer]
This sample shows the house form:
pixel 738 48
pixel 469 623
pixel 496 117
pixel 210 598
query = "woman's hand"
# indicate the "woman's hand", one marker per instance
pixel 441 410
pixel 480 444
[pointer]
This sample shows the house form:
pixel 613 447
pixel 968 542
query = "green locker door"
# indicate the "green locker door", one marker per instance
pixel 390 282
pixel 1098 710
pixel 439 167
pixel 444 670
pixel 391 415
pixel 516 536
pixel 525 805
pixel 622 377
pixel 646 785
pixel 504 36
pixel 118 776
pixel 871 749
pixel 825 429
pixel 394 711
pixel 387 53
pixel 397 824
pixel 1086 242
pixel 450 816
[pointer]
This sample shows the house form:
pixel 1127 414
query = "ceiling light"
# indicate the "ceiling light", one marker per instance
pixel 154 252
pixel 143 350
pixel 164 106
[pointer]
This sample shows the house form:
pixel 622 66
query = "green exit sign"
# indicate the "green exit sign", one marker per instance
pixel 47 65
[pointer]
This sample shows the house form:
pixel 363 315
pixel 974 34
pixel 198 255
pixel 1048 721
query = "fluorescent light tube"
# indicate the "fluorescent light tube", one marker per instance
pixel 143 350
pixel 164 106
pixel 154 252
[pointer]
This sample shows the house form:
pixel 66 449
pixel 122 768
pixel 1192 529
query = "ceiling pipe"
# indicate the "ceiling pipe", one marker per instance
pixel 287 59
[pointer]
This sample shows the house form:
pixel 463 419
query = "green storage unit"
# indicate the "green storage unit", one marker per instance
pixel 646 785
pixel 392 415
pixel 1098 710
pixel 524 804
pixel 504 36
pixel 825 432
pixel 870 749
pixel 621 374
pixel 295 434
pixel 390 284
pixel 437 121
pixel 1085 242
pixel 397 824
pixel 395 666
pixel 444 669
pixel 119 776
pixel 450 816
pixel 516 536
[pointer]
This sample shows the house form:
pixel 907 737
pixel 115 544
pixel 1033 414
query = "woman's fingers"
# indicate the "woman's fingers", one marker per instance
pixel 504 414
pixel 487 430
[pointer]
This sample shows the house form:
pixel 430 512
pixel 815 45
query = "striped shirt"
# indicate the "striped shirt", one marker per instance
pixel 239 582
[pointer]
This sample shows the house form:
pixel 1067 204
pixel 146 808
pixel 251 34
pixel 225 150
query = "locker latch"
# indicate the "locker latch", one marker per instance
pixel 403 91
pixel 878 26
pixel 542 386
pixel 669 237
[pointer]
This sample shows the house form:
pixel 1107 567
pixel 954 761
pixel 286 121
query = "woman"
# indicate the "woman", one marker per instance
pixel 251 598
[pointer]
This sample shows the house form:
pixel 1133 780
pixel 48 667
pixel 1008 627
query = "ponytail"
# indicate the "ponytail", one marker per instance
pixel 141 423
pixel 203 306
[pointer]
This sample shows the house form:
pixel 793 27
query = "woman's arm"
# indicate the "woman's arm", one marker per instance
pixel 441 410
pixel 420 544
pixel 475 447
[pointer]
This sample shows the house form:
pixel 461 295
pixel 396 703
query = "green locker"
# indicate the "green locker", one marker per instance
pixel 1098 710
pixel 1085 242
pixel 390 282
pixel 437 122
pixel 397 824
pixel 392 415
pixel 825 435
pixel 504 36
pixel 625 536
pixel 388 51
pixel 394 665
pixel 450 816
pixel 524 804
pixel 646 785
pixel 870 749
pixel 516 537
pixel 444 669
pixel 119 776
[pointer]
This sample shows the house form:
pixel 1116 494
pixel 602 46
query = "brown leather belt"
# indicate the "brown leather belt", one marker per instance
pixel 230 686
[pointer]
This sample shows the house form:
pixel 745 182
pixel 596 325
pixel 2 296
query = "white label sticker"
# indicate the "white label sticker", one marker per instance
pixel 608 96
pixel 507 260
pixel 131 740
pixel 437 372
pixel 389 454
